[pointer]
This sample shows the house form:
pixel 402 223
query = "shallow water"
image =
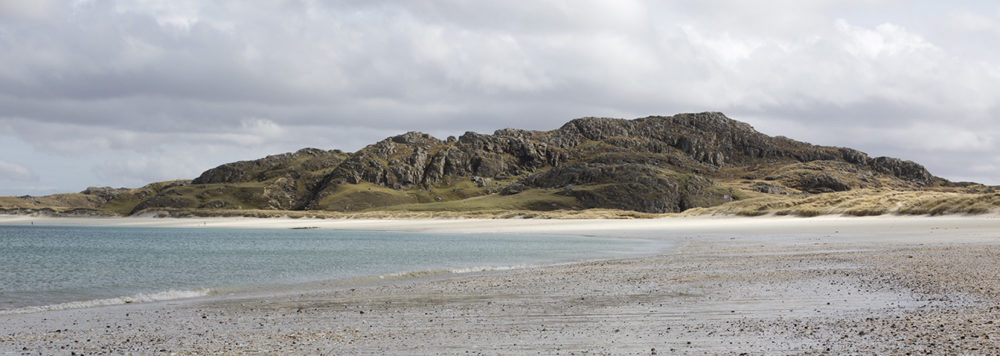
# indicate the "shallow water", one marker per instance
pixel 108 265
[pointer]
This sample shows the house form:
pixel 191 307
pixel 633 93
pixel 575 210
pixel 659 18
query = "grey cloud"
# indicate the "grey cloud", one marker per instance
pixel 26 10
pixel 143 79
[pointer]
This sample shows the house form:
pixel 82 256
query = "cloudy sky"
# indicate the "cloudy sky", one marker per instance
pixel 122 93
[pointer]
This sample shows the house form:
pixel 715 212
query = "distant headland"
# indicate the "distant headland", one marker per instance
pixel 702 163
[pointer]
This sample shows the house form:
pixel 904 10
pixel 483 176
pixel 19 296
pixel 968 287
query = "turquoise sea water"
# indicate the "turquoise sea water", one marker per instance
pixel 46 266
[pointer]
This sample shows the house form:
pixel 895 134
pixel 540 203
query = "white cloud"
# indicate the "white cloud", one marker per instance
pixel 729 49
pixel 15 172
pixel 137 171
pixel 143 79
pixel 884 40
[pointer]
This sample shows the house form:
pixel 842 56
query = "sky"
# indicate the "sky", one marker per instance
pixel 124 93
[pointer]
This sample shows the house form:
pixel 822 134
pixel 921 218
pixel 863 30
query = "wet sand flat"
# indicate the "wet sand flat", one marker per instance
pixel 771 285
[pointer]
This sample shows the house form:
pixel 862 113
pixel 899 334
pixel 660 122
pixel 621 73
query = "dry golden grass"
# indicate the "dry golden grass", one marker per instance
pixel 861 202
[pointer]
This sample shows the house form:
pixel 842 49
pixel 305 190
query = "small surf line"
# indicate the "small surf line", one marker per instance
pixel 136 298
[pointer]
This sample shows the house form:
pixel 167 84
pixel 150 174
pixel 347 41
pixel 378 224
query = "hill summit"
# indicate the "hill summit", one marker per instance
pixel 655 164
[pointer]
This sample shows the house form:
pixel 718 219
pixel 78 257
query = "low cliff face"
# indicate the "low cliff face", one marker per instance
pixel 653 164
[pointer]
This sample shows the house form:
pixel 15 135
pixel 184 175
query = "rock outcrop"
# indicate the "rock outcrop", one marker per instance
pixel 652 164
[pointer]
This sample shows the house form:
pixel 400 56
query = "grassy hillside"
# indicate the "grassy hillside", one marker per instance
pixel 703 163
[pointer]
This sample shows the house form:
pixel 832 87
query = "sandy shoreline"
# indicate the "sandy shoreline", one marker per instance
pixel 759 285
pixel 887 224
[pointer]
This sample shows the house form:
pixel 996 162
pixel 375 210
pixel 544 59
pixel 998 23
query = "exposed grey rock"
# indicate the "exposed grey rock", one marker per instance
pixel 653 164
pixel 512 189
pixel 769 188
pixel 104 193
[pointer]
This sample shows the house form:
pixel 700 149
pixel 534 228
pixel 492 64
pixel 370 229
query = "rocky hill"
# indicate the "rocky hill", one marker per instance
pixel 655 164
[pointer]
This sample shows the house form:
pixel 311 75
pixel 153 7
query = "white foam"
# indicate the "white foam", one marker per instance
pixel 474 269
pixel 460 270
pixel 413 274
pixel 137 298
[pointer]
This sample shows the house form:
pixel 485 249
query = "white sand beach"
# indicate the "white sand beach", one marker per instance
pixel 776 285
